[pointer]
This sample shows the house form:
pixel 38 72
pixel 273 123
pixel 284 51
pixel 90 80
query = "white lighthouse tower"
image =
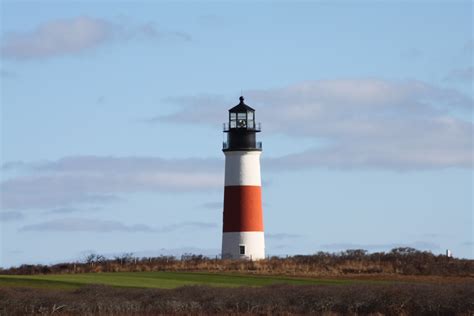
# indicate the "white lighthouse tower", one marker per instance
pixel 243 236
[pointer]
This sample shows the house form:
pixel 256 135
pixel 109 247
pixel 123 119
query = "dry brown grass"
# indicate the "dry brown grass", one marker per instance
pixel 353 263
pixel 389 299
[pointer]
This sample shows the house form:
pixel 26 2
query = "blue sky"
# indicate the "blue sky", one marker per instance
pixel 111 119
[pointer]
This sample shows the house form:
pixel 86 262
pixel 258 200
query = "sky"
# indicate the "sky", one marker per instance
pixel 112 112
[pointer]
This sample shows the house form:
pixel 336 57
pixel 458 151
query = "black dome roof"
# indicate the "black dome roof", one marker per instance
pixel 241 107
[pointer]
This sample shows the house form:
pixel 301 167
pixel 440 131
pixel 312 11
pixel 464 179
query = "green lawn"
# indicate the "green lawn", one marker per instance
pixel 153 280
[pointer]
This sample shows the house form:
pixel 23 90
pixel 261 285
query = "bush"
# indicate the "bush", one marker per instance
pixel 393 299
pixel 399 261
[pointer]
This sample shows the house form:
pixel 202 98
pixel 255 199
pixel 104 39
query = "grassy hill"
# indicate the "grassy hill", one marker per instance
pixel 403 281
pixel 165 280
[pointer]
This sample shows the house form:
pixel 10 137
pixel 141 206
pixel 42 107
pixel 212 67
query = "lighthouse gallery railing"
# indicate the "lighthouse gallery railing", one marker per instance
pixel 252 127
pixel 258 145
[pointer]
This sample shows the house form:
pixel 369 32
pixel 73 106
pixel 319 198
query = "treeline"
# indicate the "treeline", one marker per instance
pixel 399 261
pixel 355 299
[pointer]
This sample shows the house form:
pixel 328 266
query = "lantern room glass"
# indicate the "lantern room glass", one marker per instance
pixel 233 120
pixel 242 120
pixel 250 120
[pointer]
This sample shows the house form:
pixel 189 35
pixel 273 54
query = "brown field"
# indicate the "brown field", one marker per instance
pixel 402 282
pixel 354 299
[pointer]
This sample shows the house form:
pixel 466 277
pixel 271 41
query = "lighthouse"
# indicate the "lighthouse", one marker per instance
pixel 243 236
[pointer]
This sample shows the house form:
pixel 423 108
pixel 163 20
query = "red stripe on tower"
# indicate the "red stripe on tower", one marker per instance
pixel 243 209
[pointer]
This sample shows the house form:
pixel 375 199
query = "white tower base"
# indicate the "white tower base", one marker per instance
pixel 243 245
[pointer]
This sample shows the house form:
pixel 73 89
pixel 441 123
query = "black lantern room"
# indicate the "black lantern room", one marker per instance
pixel 241 129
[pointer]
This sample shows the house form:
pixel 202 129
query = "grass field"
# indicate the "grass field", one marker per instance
pixel 162 293
pixel 153 280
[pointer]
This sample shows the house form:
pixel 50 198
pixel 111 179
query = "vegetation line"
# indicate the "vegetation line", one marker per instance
pixel 399 261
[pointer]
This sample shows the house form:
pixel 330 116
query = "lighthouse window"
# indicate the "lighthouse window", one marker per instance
pixel 233 120
pixel 242 249
pixel 242 120
pixel 250 121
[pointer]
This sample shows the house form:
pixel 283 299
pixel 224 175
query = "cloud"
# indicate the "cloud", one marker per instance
pixel 421 245
pixel 58 37
pixel 6 74
pixel 203 109
pixel 76 35
pixel 14 165
pixel 461 75
pixel 10 216
pixel 354 124
pixel 68 210
pixel 113 165
pixel 181 35
pixel 106 226
pixel 281 236
pixel 63 210
pixel 88 225
pixel 94 179
pixel 365 123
